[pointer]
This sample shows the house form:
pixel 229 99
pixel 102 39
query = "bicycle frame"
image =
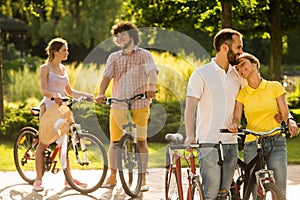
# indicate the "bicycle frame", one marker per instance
pixel 82 149
pixel 256 171
pixel 175 164
pixel 129 161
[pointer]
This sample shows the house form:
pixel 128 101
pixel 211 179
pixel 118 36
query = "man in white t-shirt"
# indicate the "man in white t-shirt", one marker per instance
pixel 211 94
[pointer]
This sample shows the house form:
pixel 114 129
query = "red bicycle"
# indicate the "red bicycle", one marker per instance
pixel 173 175
pixel 87 159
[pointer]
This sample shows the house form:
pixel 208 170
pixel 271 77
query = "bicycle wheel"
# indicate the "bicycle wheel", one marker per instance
pixel 24 153
pixel 86 164
pixel 197 191
pixel 171 185
pixel 272 192
pixel 130 166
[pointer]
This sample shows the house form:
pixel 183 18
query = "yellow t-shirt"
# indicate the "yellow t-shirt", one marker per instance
pixel 260 106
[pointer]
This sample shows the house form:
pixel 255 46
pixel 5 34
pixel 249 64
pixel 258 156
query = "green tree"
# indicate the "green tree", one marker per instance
pixel 256 19
pixel 81 22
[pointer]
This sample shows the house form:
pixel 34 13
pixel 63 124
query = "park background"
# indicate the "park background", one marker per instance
pixel 270 30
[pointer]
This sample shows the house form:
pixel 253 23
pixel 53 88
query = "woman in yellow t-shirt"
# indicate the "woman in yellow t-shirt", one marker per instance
pixel 261 100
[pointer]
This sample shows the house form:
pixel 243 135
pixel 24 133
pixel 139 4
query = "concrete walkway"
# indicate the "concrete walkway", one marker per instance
pixel 13 187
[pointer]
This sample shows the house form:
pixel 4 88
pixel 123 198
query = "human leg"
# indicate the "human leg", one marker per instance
pixel 39 166
pixel 144 154
pixel 210 171
pixel 229 165
pixel 111 181
pixel 278 161
pixel 116 119
pixel 140 117
pixel 250 151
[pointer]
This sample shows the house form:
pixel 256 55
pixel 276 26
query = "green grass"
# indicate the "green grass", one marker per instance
pixel 293 150
pixel 156 157
pixel 7 157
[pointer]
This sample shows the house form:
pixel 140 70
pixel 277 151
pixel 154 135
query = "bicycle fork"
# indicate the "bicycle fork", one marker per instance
pixel 263 176
pixel 74 139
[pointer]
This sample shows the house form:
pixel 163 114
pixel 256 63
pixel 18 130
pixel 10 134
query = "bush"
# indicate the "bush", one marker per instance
pixel 16 118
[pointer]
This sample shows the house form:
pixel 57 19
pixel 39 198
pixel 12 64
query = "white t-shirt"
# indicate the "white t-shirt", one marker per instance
pixel 216 91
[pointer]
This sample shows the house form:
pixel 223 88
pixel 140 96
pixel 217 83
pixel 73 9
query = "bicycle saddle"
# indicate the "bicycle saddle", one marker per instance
pixel 174 137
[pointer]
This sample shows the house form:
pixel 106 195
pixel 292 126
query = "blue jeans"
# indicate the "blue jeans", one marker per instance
pixel 277 160
pixel 211 172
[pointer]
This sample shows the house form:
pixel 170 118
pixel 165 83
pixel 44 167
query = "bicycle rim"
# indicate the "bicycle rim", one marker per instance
pixel 130 166
pixel 197 191
pixel 171 182
pixel 90 172
pixel 24 153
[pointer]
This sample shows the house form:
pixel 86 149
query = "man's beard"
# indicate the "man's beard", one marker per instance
pixel 231 56
pixel 126 45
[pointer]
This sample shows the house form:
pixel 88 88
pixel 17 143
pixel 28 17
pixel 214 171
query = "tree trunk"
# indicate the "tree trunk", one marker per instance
pixel 275 41
pixel 1 85
pixel 226 14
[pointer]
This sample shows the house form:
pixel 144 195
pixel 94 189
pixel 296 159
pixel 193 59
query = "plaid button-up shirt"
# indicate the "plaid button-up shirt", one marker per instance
pixel 130 74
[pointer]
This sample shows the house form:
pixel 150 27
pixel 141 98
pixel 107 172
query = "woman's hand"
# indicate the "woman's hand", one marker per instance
pixel 293 128
pixel 58 100
pixel 90 96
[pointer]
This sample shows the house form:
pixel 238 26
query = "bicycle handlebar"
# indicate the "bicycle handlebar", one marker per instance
pixel 75 100
pixel 110 100
pixel 283 129
pixel 176 139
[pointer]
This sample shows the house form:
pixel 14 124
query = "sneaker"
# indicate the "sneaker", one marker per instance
pixel 67 185
pixel 110 182
pixel 37 185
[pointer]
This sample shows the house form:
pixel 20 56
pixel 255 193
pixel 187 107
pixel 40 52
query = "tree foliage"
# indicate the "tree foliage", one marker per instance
pixel 81 22
pixel 266 19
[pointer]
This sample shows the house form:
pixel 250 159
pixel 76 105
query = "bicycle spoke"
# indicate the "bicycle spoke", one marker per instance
pixel 24 153
pixel 86 172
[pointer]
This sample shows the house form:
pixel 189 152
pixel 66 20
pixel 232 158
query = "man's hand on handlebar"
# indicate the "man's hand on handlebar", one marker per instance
pixel 150 93
pixel 189 140
pixel 101 99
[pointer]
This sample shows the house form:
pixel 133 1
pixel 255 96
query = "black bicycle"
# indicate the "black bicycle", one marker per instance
pixel 86 155
pixel 129 161
pixel 255 175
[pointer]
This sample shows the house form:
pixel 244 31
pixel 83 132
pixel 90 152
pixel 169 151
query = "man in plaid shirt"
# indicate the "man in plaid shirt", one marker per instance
pixel 133 72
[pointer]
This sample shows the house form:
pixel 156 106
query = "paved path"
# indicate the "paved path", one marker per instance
pixel 13 187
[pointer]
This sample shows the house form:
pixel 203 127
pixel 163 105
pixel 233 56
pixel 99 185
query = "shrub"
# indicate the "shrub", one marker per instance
pixel 16 118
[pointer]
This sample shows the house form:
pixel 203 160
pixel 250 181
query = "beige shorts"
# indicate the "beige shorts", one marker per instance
pixel 119 117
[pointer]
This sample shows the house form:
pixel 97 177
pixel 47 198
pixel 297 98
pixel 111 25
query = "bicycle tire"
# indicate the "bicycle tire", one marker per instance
pixel 197 190
pixel 171 185
pixel 92 173
pixel 129 165
pixel 273 192
pixel 24 153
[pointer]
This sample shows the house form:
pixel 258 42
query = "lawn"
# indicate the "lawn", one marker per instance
pixel 156 157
